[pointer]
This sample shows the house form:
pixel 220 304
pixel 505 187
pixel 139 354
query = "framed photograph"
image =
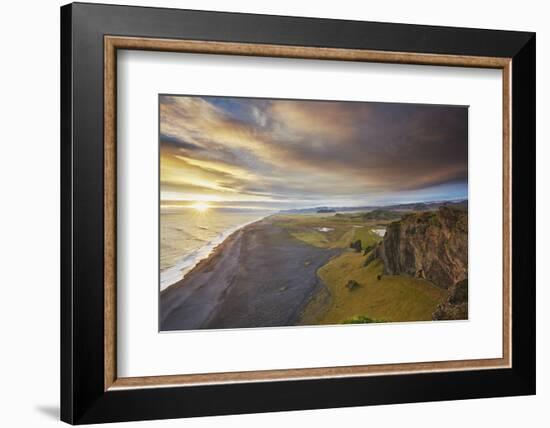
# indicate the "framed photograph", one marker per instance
pixel 266 213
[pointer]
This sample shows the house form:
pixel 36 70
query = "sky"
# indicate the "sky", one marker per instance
pixel 278 154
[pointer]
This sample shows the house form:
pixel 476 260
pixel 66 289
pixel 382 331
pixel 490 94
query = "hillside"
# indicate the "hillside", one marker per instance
pixel 380 214
pixel 430 245
pixel 354 293
pixel 455 307
pixel 417 271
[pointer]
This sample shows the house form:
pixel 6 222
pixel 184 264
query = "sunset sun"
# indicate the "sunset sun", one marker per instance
pixel 288 212
pixel 200 206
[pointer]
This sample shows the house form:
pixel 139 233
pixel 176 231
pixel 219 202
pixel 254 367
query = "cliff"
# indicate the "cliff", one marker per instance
pixel 431 245
pixel 455 307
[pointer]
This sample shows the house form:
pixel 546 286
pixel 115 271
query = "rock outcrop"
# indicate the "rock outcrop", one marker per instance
pixel 456 305
pixel 352 285
pixel 431 245
pixel 357 245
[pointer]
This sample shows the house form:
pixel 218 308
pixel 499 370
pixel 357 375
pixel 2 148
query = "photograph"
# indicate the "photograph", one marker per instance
pixel 265 211
pixel 285 212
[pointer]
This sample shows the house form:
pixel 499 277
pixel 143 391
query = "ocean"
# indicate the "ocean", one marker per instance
pixel 188 236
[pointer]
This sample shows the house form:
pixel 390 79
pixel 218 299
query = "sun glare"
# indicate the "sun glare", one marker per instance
pixel 200 206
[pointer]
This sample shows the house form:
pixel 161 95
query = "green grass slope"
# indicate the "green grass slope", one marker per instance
pixel 344 230
pixel 388 299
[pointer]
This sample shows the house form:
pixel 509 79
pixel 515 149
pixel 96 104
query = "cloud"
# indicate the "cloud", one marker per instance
pixel 177 143
pixel 310 150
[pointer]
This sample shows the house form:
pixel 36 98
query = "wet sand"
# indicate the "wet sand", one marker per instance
pixel 260 276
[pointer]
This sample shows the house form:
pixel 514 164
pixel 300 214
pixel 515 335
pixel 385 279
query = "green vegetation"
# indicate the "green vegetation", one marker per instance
pixel 380 297
pixel 357 291
pixel 382 215
pixel 334 231
pixel 360 319
pixel 367 237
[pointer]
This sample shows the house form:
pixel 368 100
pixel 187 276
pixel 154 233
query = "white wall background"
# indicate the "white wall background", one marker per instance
pixel 29 219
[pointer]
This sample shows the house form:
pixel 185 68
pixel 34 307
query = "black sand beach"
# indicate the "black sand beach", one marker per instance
pixel 260 276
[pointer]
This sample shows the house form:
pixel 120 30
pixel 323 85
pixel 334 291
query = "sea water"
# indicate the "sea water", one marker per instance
pixel 188 236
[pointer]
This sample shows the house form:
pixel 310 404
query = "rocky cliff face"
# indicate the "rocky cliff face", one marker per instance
pixel 431 245
pixel 455 307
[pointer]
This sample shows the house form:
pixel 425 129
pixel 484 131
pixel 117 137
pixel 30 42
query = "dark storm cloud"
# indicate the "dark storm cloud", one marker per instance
pixel 305 150
pixel 177 143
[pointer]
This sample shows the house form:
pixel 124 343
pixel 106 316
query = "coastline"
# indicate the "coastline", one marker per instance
pixel 189 262
pixel 174 297
pixel 237 287
pixel 204 263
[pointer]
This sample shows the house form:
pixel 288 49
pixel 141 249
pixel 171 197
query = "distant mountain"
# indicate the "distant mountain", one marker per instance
pixel 408 207
pixel 382 214
pixel 428 206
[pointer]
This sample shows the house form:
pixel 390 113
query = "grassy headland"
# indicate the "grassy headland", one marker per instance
pixel 378 297
pixel 335 231
pixel 372 296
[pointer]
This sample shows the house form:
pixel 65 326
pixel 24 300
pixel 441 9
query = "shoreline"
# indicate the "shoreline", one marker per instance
pixel 206 261
pixel 181 272
pixel 237 287
pixel 174 297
